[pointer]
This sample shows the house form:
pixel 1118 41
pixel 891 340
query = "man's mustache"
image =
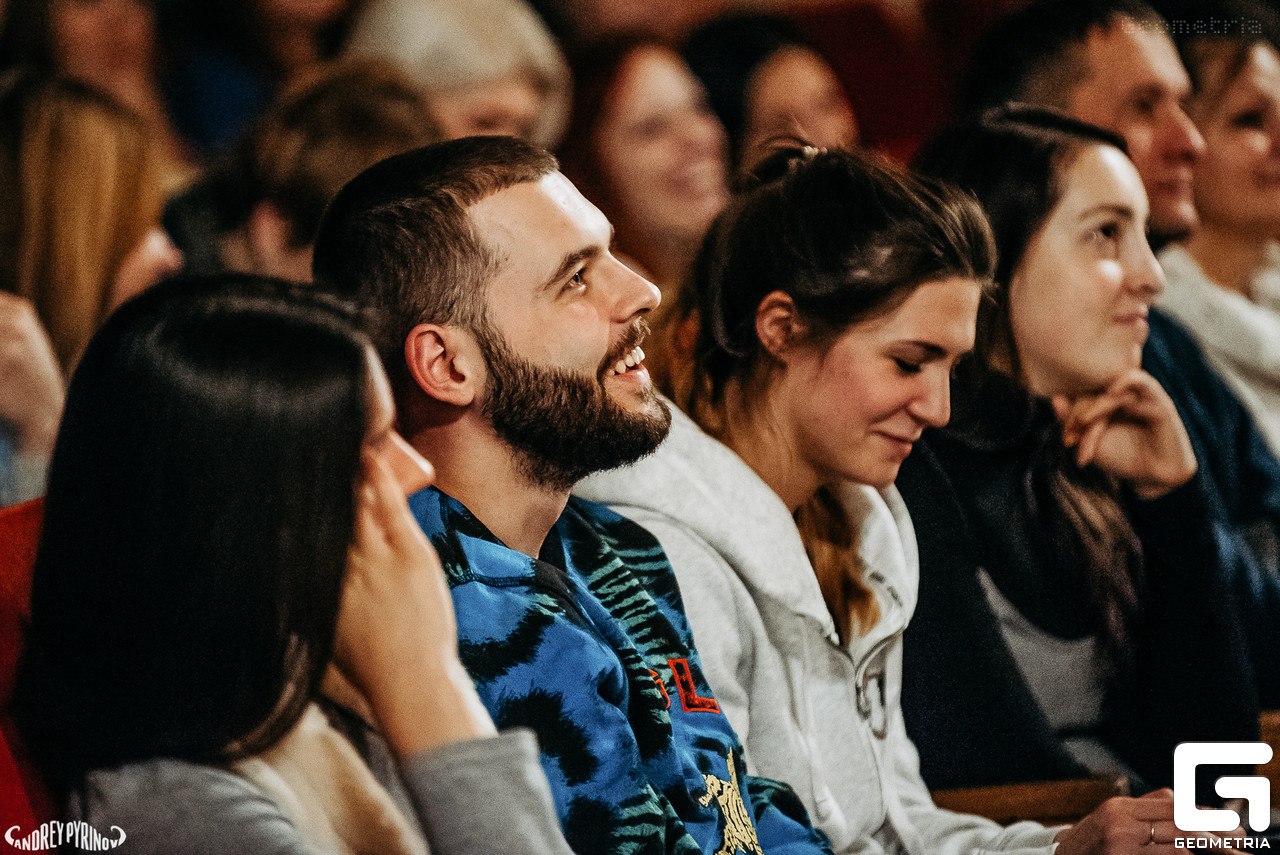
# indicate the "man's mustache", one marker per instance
pixel 635 334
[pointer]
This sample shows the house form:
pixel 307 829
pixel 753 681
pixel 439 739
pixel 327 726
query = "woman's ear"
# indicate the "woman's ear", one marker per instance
pixel 779 325
pixel 444 361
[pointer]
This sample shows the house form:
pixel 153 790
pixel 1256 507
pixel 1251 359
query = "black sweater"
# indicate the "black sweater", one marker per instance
pixel 978 498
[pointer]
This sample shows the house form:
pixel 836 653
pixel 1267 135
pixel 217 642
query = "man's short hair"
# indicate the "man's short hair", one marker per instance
pixel 397 239
pixel 1036 54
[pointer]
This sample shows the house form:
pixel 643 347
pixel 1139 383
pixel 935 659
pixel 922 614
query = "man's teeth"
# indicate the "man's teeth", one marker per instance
pixel 633 358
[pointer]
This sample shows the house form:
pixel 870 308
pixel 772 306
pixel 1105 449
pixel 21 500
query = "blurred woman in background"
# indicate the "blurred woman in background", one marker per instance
pixel 485 66
pixel 644 146
pixel 81 233
pixel 1224 282
pixel 765 80
pixel 110 45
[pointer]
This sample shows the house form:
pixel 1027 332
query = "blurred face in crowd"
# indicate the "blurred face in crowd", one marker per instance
pixel 1090 263
pixel 1135 85
pixel 857 404
pixel 795 93
pixel 506 106
pixel 100 41
pixel 661 150
pixel 1238 179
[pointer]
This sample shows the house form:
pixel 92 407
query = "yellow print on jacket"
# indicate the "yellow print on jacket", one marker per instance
pixel 739 830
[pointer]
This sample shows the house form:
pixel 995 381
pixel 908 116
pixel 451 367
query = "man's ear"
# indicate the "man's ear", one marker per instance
pixel 779 325
pixel 444 362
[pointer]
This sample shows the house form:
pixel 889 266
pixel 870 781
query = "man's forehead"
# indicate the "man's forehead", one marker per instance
pixel 536 209
pixel 534 226
pixel 1131 55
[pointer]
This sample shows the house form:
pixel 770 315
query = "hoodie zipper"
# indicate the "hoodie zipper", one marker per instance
pixel 863 687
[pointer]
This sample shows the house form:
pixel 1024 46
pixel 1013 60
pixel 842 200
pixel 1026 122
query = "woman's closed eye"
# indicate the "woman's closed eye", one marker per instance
pixel 1249 119
pixel 907 366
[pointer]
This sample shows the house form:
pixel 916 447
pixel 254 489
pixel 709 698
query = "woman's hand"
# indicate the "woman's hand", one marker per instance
pixel 1132 431
pixel 397 637
pixel 1125 826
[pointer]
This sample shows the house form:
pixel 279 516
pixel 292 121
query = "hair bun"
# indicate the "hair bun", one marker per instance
pixel 780 156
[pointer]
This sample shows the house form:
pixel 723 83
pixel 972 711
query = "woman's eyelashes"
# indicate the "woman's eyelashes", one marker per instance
pixel 907 366
pixel 1106 235
pixel 1254 118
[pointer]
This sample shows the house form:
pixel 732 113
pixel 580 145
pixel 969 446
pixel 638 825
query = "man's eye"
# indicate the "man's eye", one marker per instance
pixel 1145 106
pixel 577 282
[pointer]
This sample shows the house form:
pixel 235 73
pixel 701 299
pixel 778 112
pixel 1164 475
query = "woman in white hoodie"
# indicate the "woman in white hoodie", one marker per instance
pixel 836 295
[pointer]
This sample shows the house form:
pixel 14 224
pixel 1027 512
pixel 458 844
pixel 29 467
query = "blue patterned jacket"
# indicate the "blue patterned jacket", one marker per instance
pixel 589 647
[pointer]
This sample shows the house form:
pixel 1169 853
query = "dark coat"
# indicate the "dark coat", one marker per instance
pixel 1198 664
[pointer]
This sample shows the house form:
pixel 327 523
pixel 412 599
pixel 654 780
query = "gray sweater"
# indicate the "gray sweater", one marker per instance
pixel 477 796
pixel 823 716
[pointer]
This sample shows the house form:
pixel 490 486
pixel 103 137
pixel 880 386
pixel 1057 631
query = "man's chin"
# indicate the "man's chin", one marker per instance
pixel 1174 226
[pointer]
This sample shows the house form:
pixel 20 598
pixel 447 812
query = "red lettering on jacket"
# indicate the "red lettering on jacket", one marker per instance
pixel 690 701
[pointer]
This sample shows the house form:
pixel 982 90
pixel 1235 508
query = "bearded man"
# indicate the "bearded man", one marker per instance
pixel 512 339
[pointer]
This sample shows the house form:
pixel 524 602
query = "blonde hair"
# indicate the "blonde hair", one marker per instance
pixel 86 174
pixel 454 44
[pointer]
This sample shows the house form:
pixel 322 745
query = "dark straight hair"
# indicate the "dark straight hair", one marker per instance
pixel 201 502
pixel 1013 159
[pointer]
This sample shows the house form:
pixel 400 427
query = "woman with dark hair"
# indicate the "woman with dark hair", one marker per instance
pixel 1073 584
pixel 232 608
pixel 643 145
pixel 765 80
pixel 836 293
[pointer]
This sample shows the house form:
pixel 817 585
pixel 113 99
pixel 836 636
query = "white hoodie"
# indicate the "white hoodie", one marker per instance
pixel 823 717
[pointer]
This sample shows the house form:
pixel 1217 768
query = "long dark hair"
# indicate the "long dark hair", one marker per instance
pixel 848 237
pixel 200 506
pixel 1012 159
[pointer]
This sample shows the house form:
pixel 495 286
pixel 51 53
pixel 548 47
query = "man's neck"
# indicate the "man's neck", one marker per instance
pixel 483 473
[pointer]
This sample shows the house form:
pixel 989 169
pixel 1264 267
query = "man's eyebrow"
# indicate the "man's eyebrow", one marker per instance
pixel 570 261
pixel 1146 92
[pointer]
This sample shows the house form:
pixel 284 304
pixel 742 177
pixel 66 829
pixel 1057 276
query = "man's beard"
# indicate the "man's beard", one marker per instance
pixel 564 425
